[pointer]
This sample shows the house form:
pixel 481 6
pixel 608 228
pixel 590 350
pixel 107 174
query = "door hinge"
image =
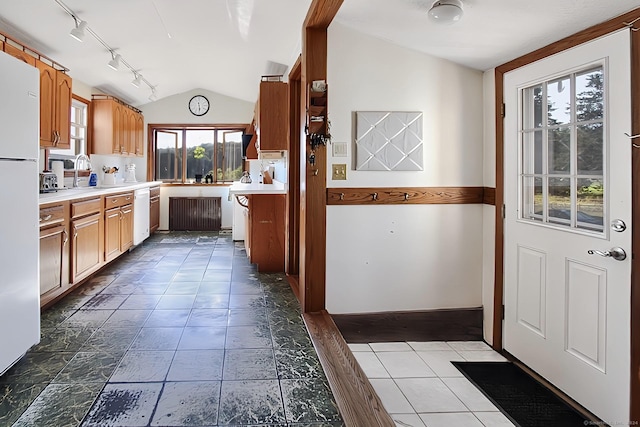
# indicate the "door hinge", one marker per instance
pixel 503 110
pixel 504 211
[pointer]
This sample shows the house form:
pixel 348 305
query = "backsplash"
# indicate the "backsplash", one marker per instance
pixel 257 166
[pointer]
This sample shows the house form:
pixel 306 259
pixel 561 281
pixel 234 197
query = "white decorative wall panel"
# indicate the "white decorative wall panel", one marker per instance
pixel 389 140
pixel 586 293
pixel 532 289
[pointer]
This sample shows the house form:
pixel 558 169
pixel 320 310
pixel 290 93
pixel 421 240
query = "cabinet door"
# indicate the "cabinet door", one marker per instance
pixel 20 54
pixel 118 128
pixel 154 214
pixel 86 250
pixel 52 243
pixel 273 116
pixel 62 109
pixel 267 231
pixel 111 234
pixel 47 98
pixel 139 134
pixel 126 227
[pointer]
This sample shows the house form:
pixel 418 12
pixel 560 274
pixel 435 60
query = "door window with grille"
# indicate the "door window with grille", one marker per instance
pixel 563 151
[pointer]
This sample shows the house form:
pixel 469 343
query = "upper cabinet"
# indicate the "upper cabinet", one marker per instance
pixel 55 97
pixel 20 54
pixel 55 107
pixel 272 116
pixel 117 127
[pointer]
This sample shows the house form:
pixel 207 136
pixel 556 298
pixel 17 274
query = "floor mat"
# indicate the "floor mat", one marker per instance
pixel 520 397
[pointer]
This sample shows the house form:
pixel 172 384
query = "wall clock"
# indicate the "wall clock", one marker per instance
pixel 199 105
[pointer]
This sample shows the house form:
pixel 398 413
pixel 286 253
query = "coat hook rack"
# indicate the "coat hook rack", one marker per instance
pixel 632 136
pixel 631 26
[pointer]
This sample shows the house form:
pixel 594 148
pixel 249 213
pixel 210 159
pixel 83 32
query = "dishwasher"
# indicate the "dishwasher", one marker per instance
pixel 140 215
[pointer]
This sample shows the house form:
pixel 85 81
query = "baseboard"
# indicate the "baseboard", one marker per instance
pixel 463 324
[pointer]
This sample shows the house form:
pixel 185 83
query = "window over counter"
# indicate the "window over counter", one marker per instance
pixel 79 129
pixel 186 154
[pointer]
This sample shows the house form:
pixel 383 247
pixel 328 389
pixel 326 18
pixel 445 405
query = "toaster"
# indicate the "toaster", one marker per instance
pixel 48 182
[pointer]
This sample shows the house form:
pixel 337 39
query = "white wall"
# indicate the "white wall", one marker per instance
pixel 196 191
pixel 416 257
pixel 489 212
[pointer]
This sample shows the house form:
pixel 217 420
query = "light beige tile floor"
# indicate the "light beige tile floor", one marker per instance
pixel 420 387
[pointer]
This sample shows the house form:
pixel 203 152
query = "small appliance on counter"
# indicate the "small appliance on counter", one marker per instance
pixel 48 182
pixel 130 173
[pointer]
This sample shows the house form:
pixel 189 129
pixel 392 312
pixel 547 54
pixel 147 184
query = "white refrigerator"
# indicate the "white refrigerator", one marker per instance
pixel 19 213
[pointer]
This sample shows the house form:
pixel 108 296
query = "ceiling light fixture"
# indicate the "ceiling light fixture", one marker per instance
pixel 116 59
pixel 78 32
pixel 137 81
pixel 446 11
pixel 114 64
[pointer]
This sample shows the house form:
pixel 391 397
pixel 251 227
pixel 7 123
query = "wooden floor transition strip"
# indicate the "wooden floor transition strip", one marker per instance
pixel 357 400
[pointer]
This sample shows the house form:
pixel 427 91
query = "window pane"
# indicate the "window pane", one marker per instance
pixel 590 149
pixel 532 198
pixel 559 101
pixel 560 150
pixel 232 170
pixel 168 156
pixel 559 200
pixel 589 95
pixel 532 152
pixel 199 145
pixel 533 107
pixel 590 196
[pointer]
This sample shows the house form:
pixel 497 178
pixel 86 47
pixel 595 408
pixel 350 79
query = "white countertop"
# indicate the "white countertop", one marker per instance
pixel 82 192
pixel 254 188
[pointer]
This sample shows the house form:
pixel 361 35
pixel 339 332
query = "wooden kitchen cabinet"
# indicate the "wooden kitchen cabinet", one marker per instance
pixel 118 225
pixel 272 116
pixel 117 127
pixel 55 107
pixel 267 231
pixel 54 251
pixel 20 54
pixel 154 209
pixel 87 242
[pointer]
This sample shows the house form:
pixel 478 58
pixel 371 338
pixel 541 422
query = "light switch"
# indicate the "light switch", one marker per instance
pixel 339 171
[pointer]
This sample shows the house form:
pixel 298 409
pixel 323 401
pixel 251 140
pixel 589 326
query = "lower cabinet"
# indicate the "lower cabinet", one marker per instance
pixel 267 231
pixel 86 246
pixel 118 225
pixel 154 209
pixel 54 251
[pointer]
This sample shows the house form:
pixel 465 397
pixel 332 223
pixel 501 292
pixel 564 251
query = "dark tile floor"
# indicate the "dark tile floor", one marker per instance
pixel 182 331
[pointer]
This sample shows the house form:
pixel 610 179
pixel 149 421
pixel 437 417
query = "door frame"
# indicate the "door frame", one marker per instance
pixel 581 37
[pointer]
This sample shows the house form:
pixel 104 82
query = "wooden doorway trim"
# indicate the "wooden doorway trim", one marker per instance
pixel 313 178
pixel 292 260
pixel 591 33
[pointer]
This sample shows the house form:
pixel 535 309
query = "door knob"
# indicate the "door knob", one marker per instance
pixel 616 253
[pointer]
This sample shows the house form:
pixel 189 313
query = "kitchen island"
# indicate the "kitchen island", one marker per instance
pixel 265 223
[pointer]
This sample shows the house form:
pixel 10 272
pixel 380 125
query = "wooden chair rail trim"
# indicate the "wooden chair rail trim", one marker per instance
pixel 410 195
pixel 357 401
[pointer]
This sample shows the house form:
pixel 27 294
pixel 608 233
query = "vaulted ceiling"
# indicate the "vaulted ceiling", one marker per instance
pixel 225 45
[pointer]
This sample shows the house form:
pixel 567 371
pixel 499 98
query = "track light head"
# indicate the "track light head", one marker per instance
pixel 137 81
pixel 154 95
pixel 114 64
pixel 78 32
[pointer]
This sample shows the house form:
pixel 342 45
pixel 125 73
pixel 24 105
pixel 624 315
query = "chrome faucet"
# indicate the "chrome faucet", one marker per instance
pixel 79 157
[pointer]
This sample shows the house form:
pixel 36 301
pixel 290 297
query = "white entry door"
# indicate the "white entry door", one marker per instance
pixel 567 180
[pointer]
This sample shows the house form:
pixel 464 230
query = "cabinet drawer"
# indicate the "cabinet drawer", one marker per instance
pixel 154 192
pixel 51 215
pixel 118 200
pixel 85 207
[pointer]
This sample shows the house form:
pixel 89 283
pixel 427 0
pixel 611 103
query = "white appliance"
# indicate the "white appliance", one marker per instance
pixel 19 224
pixel 140 215
pixel 240 214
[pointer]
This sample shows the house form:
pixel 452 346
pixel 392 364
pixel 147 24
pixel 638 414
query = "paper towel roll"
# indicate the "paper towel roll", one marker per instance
pixel 58 168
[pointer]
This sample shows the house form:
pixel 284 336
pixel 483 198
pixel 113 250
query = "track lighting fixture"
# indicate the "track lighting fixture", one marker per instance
pixel 78 32
pixel 137 80
pixel 114 64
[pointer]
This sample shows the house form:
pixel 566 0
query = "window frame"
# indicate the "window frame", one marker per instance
pixel 183 127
